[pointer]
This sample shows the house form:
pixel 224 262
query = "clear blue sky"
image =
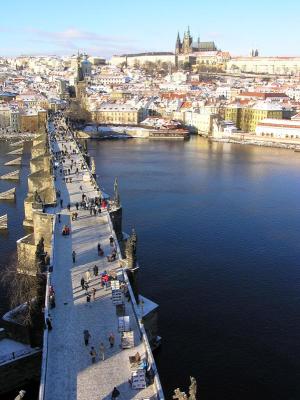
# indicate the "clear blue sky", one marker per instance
pixel 106 27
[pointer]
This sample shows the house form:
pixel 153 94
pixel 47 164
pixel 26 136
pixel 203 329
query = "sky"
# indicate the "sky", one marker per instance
pixel 107 27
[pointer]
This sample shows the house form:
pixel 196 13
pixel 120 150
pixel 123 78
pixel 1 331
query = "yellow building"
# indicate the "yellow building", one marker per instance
pixel 118 114
pixel 246 118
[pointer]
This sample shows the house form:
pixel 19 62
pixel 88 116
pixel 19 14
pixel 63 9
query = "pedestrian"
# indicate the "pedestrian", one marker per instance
pixel 93 355
pixel 73 256
pixel 49 323
pixel 86 337
pixel 100 251
pixel 115 394
pixel 111 340
pixel 94 293
pixel 102 351
pixel 95 269
pixel 52 301
pixel 88 297
pixel 58 218
pixel 77 205
pixel 111 240
pixel 82 282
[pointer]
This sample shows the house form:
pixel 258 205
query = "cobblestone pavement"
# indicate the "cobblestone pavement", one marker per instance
pixel 70 373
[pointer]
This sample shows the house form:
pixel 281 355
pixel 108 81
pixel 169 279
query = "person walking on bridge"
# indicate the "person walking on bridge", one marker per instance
pixel 82 282
pixel 115 394
pixel 86 337
pixel 73 256
pixel 111 340
pixel 93 355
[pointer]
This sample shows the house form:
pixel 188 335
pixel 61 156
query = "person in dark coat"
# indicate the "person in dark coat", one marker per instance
pixel 86 336
pixel 82 282
pixel 115 394
pixel 95 269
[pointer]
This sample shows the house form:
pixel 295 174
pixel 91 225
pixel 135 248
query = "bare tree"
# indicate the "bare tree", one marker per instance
pixel 26 289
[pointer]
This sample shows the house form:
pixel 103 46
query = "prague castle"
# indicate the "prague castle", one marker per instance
pixel 187 46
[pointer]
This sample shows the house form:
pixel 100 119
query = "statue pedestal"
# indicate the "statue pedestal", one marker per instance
pixel 37 206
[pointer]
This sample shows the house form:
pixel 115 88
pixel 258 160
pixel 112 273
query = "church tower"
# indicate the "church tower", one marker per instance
pixel 187 42
pixel 80 85
pixel 178 46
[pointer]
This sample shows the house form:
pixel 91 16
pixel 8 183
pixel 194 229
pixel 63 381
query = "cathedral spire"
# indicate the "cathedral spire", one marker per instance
pixel 178 44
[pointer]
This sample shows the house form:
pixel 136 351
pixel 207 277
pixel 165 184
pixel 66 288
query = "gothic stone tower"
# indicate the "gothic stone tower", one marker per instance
pixel 178 46
pixel 187 42
pixel 80 85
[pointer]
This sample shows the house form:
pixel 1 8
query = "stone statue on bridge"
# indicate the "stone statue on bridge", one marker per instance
pixel 40 254
pixel 37 197
pixel 117 195
pixel 93 167
pixel 130 249
pixel 192 392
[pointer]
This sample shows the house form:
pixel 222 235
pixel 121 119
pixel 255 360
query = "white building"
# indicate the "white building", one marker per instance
pixel 201 122
pixel 112 79
pixel 279 128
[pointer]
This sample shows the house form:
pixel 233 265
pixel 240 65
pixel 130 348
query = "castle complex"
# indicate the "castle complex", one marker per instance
pixel 187 46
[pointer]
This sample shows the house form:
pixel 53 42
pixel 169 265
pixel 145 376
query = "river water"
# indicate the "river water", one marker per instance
pixel 218 228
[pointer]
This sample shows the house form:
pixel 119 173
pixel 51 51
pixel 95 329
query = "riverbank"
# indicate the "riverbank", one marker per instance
pixel 289 145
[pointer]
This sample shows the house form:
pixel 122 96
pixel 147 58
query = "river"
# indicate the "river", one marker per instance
pixel 218 245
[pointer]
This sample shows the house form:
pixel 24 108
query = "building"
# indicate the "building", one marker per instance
pixel 97 60
pixel 106 79
pixel 200 122
pixel 187 46
pixel 279 128
pixel 246 118
pixel 4 117
pixel 118 114
pixel 32 120
pixel 265 65
pixel 86 66
pixel 15 120
pixel 132 60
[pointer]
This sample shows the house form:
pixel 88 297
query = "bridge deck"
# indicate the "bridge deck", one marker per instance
pixel 70 373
